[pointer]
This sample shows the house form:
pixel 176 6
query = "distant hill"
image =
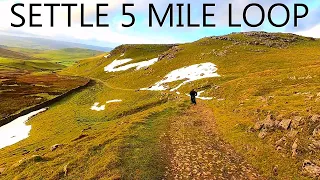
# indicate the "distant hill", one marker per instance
pixel 41 43
pixel 6 53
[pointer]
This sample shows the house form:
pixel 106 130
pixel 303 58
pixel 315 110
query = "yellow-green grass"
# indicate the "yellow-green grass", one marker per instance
pixel 67 57
pixel 249 73
pixel 30 65
pixel 97 155
pixel 124 132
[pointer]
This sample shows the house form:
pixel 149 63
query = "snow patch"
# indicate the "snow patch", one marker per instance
pixel 187 75
pixel 17 130
pixel 114 101
pixel 114 66
pixel 96 107
pixel 122 55
pixel 107 56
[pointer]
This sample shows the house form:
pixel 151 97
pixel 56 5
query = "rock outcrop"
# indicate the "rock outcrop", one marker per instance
pixel 310 169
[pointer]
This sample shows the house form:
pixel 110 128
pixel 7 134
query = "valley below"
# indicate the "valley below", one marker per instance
pixel 257 115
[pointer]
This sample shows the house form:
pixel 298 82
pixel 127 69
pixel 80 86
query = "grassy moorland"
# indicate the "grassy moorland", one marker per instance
pixel 262 75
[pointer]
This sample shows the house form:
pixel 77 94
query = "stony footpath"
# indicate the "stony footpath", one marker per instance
pixel 195 151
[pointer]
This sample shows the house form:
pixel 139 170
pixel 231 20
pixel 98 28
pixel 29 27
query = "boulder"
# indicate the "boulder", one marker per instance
pixel 296 121
pixel 285 124
pixel 310 169
pixel 318 95
pixel 258 125
pixel 56 146
pixel 268 123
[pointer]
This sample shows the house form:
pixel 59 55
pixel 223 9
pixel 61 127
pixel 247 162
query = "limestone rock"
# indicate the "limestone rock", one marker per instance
pixel 292 133
pixel 275 171
pixel 294 148
pixel 268 123
pixel 316 132
pixel 310 169
pixel 54 147
pixel 315 118
pixel 258 125
pixel 262 134
pixel 316 144
pixel 281 141
pixel 2 170
pixel 296 121
pixel 66 170
pixel 285 124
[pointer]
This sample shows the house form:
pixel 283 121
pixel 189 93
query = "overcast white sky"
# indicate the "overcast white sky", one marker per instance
pixel 140 32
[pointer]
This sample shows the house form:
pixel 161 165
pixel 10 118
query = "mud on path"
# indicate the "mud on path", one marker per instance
pixel 195 150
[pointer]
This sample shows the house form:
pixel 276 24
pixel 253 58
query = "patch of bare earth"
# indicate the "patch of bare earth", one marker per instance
pixel 195 150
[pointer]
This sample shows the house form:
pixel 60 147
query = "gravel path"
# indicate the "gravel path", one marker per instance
pixel 196 152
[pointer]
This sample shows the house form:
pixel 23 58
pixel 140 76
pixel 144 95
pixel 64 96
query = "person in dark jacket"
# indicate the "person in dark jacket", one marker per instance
pixel 193 95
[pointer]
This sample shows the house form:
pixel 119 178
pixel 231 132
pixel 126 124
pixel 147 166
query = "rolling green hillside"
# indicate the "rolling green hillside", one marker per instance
pixel 42 60
pixel 5 53
pixel 68 56
pixel 43 44
pixel 261 122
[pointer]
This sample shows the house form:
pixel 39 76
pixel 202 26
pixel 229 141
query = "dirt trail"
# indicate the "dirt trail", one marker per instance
pixel 195 151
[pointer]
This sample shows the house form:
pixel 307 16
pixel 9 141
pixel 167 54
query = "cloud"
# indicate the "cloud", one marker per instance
pixel 313 32
pixel 141 32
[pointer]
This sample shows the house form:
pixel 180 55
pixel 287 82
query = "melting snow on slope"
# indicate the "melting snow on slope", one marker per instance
pixel 187 75
pixel 115 66
pixel 114 101
pixel 16 130
pixel 203 98
pixel 96 107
